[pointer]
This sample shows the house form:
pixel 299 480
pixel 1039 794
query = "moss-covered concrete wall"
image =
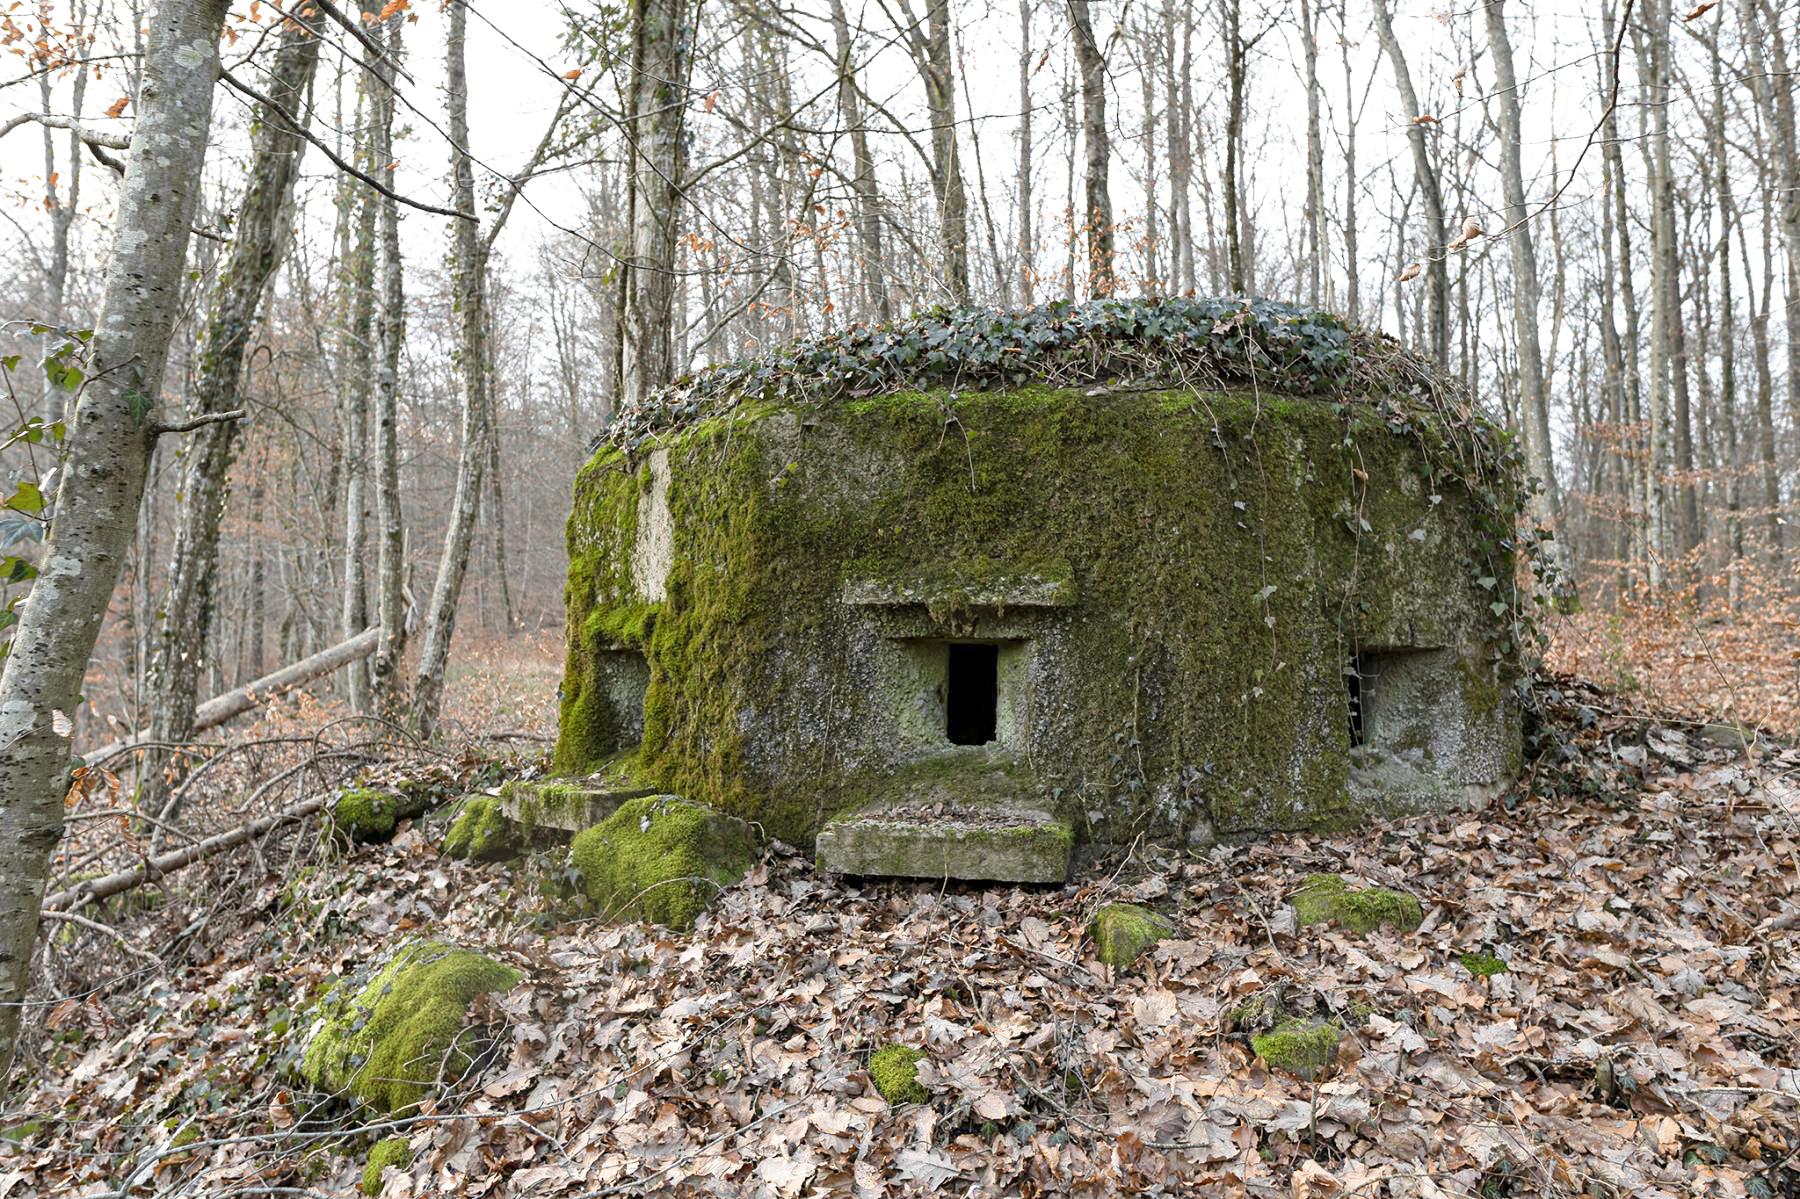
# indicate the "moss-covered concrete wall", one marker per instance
pixel 1178 581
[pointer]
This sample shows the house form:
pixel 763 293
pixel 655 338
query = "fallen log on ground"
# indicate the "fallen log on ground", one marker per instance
pixel 220 708
pixel 112 884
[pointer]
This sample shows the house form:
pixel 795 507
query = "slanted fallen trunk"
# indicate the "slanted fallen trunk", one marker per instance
pixel 220 708
pixel 94 890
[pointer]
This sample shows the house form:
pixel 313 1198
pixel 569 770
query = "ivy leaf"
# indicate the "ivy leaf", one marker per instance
pixel 26 499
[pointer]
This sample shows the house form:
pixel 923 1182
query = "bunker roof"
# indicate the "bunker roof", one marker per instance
pixel 1204 343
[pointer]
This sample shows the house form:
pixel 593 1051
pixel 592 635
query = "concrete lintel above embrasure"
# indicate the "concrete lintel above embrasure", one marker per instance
pixel 1021 591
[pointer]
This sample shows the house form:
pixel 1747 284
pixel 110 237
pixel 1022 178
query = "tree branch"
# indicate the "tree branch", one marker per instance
pixel 192 423
pixel 287 117
pixel 93 137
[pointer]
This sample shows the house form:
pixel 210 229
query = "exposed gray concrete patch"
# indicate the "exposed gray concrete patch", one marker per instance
pixel 654 552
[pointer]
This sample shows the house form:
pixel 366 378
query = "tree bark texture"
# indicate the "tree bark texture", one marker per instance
pixel 103 476
pixel 237 291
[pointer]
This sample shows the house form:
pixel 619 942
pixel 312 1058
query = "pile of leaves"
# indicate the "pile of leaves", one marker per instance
pixel 1173 341
pixel 1641 887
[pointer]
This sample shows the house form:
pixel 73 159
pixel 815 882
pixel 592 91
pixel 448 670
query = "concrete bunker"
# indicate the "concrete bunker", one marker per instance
pixel 1186 567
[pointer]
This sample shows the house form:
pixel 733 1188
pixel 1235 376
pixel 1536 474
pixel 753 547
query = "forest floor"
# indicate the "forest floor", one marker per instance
pixel 1642 886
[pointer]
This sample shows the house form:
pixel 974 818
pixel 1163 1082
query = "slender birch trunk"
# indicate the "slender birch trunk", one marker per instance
pixel 103 476
pixel 238 288
pixel 1534 403
pixel 1098 218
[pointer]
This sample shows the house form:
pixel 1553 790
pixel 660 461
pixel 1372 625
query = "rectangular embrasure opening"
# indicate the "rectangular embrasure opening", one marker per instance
pixel 971 693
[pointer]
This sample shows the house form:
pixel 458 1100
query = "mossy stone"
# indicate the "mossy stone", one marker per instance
pixel 391 1042
pixel 481 832
pixel 364 815
pixel 1123 931
pixel 1328 899
pixel 370 815
pixel 393 1151
pixel 1303 1047
pixel 662 859
pixel 895 1071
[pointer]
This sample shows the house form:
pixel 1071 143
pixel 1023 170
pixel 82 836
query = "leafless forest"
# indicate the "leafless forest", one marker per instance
pixel 311 311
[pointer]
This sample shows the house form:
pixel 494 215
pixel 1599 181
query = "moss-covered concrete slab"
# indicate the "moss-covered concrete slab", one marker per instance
pixel 403 1033
pixel 976 842
pixel 560 808
pixel 662 858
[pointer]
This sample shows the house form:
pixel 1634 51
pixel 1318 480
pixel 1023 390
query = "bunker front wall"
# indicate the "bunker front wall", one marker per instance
pixel 1178 585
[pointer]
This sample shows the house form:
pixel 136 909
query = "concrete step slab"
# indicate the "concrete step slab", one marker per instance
pixel 974 842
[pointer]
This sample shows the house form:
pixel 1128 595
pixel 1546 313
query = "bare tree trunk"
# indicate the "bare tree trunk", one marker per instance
pixel 390 569
pixel 1098 217
pixel 359 369
pixel 1236 68
pixel 1313 238
pixel 1027 238
pixel 661 47
pixel 868 199
pixel 471 250
pixel 1534 403
pixel 1437 275
pixel 468 281
pixel 103 475
pixel 1652 46
pixel 243 276
pixel 931 54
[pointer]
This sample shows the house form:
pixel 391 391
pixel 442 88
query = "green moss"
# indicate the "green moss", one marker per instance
pixel 1123 931
pixel 662 859
pixel 1303 1047
pixel 894 1069
pixel 363 814
pixel 481 832
pixel 391 1042
pixel 1482 965
pixel 1326 898
pixel 392 1151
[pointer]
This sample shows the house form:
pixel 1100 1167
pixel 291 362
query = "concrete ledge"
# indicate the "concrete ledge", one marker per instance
pixel 978 844
pixel 563 808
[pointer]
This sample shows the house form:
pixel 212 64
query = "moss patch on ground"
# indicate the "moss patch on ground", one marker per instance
pixel 481 832
pixel 403 1033
pixel 393 1151
pixel 1303 1047
pixel 1482 965
pixel 1328 899
pixel 662 858
pixel 894 1069
pixel 1123 931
